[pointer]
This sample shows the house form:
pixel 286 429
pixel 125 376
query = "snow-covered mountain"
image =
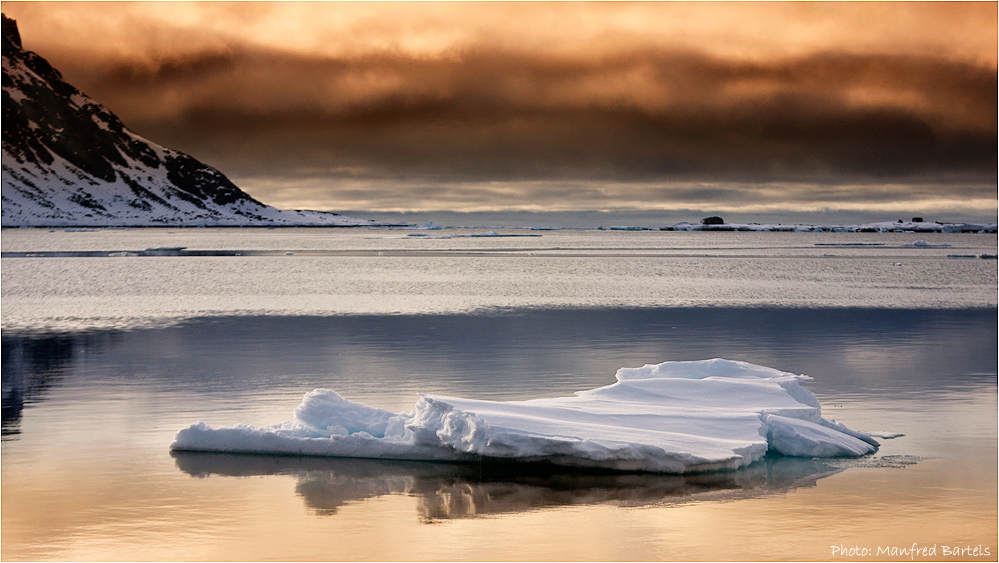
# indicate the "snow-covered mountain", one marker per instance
pixel 68 161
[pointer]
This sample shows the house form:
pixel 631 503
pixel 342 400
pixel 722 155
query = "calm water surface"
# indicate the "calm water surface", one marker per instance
pixel 104 359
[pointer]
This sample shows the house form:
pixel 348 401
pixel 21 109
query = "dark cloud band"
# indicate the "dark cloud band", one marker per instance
pixel 638 115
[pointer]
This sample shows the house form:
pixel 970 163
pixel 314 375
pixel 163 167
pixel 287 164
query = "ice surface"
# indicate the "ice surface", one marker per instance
pixel 674 417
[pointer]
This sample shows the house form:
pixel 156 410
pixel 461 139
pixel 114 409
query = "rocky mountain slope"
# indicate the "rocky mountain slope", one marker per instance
pixel 69 161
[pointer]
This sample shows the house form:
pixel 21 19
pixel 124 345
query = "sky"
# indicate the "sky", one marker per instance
pixel 776 110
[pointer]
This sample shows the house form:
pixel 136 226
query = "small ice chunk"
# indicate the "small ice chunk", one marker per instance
pixel 924 244
pixel 884 435
pixel 801 438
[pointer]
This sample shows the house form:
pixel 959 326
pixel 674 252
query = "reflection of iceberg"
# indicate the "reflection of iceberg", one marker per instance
pixel 33 364
pixel 450 490
pixel 673 417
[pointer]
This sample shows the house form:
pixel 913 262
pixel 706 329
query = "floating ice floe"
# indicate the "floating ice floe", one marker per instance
pixel 924 244
pixel 884 434
pixel 674 417
pixel 487 234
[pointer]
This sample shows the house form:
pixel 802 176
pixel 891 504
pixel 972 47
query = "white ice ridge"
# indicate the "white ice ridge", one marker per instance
pixel 673 417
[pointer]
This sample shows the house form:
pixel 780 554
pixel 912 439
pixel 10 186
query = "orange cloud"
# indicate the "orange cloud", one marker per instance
pixel 464 93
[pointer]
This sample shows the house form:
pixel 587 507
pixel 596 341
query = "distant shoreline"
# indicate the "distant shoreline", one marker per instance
pixel 882 227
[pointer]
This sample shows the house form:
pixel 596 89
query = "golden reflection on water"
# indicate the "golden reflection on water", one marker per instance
pixel 260 508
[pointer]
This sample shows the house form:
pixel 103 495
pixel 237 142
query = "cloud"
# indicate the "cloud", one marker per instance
pixel 365 193
pixel 748 30
pixel 639 115
pixel 445 104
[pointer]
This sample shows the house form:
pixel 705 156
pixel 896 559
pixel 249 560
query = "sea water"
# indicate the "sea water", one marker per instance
pixel 106 358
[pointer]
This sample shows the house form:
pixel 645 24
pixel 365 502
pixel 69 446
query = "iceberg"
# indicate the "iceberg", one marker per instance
pixel 673 417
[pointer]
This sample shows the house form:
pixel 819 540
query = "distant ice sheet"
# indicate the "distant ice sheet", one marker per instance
pixel 674 417
pixel 880 227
